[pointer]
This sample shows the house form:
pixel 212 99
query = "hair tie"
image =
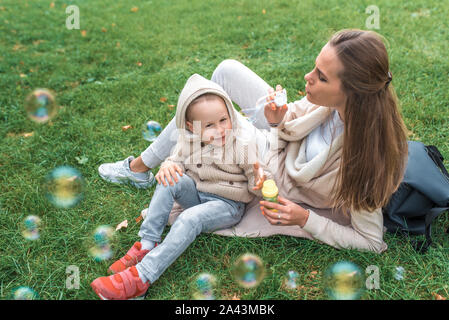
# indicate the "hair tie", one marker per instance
pixel 390 77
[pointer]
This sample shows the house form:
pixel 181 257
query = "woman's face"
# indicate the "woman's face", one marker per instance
pixel 323 86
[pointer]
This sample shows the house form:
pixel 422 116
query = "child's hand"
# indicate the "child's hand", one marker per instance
pixel 259 176
pixel 272 113
pixel 168 171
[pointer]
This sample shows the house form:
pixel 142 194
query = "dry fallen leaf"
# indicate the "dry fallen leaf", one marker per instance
pixel 124 128
pixel 113 25
pixel 139 218
pixel 163 99
pixel 134 9
pixel 117 44
pixel 123 224
pixel 22 75
pixel 171 106
pixel 301 93
pixel 104 29
pixel 83 33
pixel 139 64
pixel 438 297
pixel 197 60
pixel 264 11
pixel 52 5
pixel 235 297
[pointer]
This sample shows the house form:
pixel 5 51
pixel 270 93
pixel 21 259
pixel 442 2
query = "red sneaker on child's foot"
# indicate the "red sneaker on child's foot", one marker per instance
pixel 121 286
pixel 131 258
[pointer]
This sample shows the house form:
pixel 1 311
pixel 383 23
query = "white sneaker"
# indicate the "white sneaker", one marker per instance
pixel 120 172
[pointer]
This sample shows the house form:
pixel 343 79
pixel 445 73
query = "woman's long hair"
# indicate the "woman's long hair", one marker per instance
pixel 375 149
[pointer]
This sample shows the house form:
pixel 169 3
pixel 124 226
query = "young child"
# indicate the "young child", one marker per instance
pixel 199 176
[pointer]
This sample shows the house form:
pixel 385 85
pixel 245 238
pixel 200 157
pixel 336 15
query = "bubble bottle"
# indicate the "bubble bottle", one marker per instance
pixel 278 97
pixel 270 192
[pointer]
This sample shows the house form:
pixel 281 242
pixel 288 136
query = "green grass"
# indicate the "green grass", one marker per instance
pixel 172 40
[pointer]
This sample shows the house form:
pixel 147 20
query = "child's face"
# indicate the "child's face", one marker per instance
pixel 214 118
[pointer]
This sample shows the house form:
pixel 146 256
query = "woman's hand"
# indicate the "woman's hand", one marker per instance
pixel 289 213
pixel 272 113
pixel 168 170
pixel 259 176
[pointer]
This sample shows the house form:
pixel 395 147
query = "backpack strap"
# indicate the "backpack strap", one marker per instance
pixel 436 156
pixel 422 246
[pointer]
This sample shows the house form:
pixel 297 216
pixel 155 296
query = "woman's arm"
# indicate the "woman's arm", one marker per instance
pixel 364 233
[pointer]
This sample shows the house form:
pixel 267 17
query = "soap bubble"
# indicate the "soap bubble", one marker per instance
pixel 102 240
pixel 40 105
pixel 24 293
pixel 344 281
pixel 204 287
pixel 399 273
pixel 30 227
pixel 150 130
pixel 291 280
pixel 249 270
pixel 64 186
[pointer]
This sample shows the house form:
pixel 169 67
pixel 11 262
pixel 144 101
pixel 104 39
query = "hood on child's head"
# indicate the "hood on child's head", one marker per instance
pixel 196 86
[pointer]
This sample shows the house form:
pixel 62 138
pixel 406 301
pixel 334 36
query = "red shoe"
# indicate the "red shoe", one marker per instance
pixel 131 258
pixel 121 286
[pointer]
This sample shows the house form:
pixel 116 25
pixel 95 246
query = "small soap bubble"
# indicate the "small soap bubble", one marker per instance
pixel 344 281
pixel 64 186
pixel 204 287
pixel 291 280
pixel 40 105
pixel 31 227
pixel 249 270
pixel 24 293
pixel 151 130
pixel 399 273
pixel 103 237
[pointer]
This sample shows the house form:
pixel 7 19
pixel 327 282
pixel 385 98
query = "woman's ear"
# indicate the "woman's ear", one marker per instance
pixel 189 126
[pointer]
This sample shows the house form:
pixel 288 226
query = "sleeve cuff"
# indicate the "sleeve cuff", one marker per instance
pixel 313 223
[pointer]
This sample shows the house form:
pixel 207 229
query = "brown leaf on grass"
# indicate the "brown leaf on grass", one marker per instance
pixel 127 127
pixel 134 9
pixel 123 224
pixel 235 297
pixel 437 296
pixel 38 42
pixel 245 46
pixel 163 99
pixel 104 29
pixel 113 25
pixel 83 33
pixel 197 60
pixel 264 11
pixel 139 218
pixel 22 75
pixel 171 106
pixel 23 134
pixel 17 46
pixel 301 93
pixel 117 44
pixel 52 5
pixel 139 64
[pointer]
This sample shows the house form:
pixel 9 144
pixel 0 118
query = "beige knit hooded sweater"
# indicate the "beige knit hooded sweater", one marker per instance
pixel 227 170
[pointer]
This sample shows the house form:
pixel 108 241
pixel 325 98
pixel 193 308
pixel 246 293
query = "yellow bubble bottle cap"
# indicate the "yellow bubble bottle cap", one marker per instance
pixel 269 189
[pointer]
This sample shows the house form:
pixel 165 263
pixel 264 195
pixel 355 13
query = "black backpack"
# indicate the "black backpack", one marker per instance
pixel 421 197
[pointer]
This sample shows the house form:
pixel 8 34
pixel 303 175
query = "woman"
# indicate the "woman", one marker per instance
pixel 342 147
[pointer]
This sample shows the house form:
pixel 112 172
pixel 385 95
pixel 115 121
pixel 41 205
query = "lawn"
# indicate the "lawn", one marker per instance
pixel 127 64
